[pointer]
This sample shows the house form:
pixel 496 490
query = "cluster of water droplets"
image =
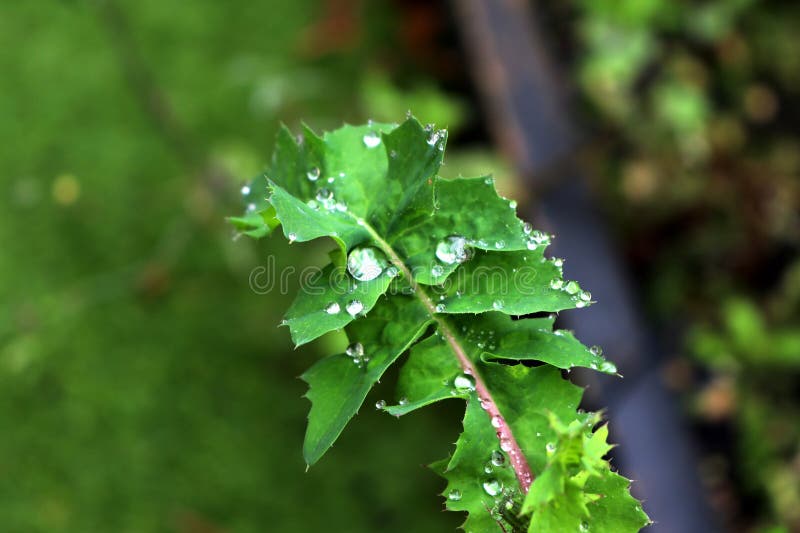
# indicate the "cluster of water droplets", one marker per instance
pixel 535 237
pixel 483 338
pixel 355 352
pixel 580 297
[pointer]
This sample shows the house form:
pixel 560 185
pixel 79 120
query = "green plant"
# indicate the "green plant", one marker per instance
pixel 439 269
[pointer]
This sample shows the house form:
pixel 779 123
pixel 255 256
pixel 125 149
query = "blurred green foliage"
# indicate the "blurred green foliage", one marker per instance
pixel 694 106
pixel 145 387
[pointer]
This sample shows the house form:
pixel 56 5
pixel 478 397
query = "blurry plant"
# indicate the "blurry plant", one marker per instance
pixel 437 268
pixel 758 365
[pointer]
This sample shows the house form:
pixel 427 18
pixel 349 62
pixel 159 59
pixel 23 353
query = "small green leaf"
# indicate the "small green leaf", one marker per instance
pixel 339 383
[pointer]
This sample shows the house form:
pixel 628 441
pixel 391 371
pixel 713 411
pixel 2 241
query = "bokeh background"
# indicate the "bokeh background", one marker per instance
pixel 144 387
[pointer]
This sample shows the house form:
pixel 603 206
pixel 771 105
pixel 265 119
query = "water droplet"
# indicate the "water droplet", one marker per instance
pixel 312 204
pixel 392 271
pixel 366 263
pixel 292 237
pixel 558 262
pixel 512 204
pixel 586 296
pixel 498 459
pixel 497 421
pixel 584 526
pixel 497 305
pixel 372 139
pixel 245 190
pixel 441 308
pixel 500 245
pixel 580 303
pixel 434 137
pixel 492 487
pixel 531 245
pixel 453 249
pixel 403 401
pixel 454 495
pixel 608 367
pixel 572 287
pixel 505 445
pixel 488 468
pixel 437 270
pixel 313 174
pixel 354 307
pixel 356 349
pixel 550 447
pixel 332 308
pixel 393 154
pixel 251 208
pixel 464 383
pixel 527 228
pixel 596 350
pixel 380 404
pixel 556 284
pixel 325 197
pixel 489 181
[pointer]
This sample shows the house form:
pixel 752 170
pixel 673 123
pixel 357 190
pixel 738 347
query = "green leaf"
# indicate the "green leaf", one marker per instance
pixel 434 267
pixel 339 383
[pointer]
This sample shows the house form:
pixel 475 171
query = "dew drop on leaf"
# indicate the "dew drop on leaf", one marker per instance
pixel 380 404
pixel 441 308
pixel 453 249
pixel 596 350
pixel 403 401
pixel 492 487
pixel 356 349
pixel 497 421
pixel 454 495
pixel 464 383
pixel 332 308
pixel 245 190
pixel 313 174
pixel 572 287
pixel 354 307
pixel 366 263
pixel 550 447
pixel 437 270
pixel 497 305
pixel 556 284
pixel 584 526
pixel 372 139
pixel 608 367
pixel 527 228
pixel 498 459
pixel 292 237
pixel 505 445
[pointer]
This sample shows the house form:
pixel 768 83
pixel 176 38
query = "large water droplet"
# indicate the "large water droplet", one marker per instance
pixel 366 263
pixel 372 139
pixel 332 308
pixel 380 404
pixel 596 350
pixel 453 249
pixel 354 307
pixel 454 495
pixel 464 383
pixel 313 174
pixel 572 287
pixel 492 487
pixel 356 349
pixel 498 459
